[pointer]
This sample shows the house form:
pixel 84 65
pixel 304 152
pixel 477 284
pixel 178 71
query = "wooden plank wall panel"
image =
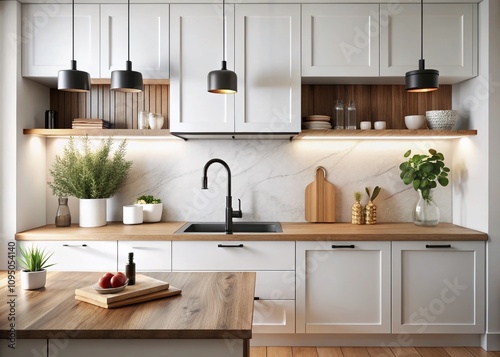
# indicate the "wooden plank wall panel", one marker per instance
pixel 119 108
pixel 374 102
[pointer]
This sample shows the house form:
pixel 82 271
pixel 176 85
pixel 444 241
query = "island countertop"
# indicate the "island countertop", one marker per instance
pixel 301 231
pixel 213 305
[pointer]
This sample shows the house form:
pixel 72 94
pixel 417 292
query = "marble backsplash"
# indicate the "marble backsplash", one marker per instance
pixel 269 176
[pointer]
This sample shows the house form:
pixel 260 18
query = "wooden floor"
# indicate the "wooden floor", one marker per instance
pixel 370 352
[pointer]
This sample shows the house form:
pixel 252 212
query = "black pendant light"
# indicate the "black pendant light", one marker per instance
pixel 127 80
pixel 73 80
pixel 422 80
pixel 223 81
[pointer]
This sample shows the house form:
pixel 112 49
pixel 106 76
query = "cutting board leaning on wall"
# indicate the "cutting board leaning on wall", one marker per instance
pixel 320 199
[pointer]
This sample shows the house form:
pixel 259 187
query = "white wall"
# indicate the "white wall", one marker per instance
pixel 476 165
pixel 22 158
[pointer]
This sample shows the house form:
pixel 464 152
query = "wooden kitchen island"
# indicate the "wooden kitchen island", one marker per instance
pixel 212 317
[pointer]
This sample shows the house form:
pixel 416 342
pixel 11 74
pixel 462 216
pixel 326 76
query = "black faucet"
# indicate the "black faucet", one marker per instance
pixel 229 209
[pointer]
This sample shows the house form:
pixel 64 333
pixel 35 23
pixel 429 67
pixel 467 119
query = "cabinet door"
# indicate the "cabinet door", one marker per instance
pixel 340 40
pixel 343 287
pixel 438 287
pixel 268 68
pixel 274 316
pixel 450 40
pixel 24 347
pixel 149 39
pixel 80 255
pixel 148 255
pixel 46 30
pixel 196 50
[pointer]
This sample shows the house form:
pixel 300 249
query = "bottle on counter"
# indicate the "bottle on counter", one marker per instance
pixel 130 269
pixel 338 115
pixel 63 216
pixel 351 116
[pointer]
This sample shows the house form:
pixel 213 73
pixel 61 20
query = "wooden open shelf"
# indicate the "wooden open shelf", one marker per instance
pixel 304 134
pixel 384 134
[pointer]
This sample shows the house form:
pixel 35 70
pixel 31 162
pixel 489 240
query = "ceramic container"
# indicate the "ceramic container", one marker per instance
pixel 441 119
pixel 152 211
pixel 379 125
pixel 414 121
pixel 132 214
pixel 365 125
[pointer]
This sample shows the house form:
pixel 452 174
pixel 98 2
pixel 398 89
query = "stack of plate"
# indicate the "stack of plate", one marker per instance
pixel 321 122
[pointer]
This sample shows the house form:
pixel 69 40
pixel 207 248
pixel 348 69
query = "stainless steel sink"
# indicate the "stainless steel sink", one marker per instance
pixel 238 227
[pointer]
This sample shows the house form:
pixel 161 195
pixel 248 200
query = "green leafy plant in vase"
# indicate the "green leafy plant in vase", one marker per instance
pixel 371 208
pixel 424 172
pixel 90 175
pixel 152 208
pixel 33 261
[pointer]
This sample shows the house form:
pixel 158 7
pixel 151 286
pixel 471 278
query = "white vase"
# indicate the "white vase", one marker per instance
pixel 31 280
pixel 92 212
pixel 152 212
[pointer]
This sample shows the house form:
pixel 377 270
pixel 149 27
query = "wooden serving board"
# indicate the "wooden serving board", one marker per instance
pixel 143 285
pixel 320 199
pixel 171 291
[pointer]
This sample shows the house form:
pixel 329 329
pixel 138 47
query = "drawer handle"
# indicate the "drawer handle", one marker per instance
pixel 351 246
pixel 438 245
pixel 74 245
pixel 256 298
pixel 230 245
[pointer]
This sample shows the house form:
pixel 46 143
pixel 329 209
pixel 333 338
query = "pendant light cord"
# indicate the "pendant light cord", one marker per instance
pixel 421 29
pixel 73 31
pixel 128 31
pixel 223 31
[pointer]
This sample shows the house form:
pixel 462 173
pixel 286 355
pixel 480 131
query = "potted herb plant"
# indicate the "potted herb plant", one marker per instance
pixel 33 262
pixel 424 172
pixel 152 208
pixel 90 175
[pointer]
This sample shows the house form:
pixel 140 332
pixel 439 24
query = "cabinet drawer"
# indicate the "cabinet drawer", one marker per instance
pixel 231 255
pixel 148 255
pixel 274 316
pixel 80 255
pixel 275 285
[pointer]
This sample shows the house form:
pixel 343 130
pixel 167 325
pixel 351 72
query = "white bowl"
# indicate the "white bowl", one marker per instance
pixel 414 121
pixel 379 125
pixel 441 119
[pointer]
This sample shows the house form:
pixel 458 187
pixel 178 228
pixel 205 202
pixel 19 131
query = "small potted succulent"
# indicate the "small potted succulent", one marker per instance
pixel 33 261
pixel 152 208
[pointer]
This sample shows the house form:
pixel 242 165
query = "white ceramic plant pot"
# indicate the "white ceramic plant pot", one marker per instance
pixel 92 212
pixel 31 280
pixel 152 212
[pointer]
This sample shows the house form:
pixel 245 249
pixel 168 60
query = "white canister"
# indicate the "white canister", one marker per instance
pixel 365 125
pixel 132 214
pixel 379 125
pixel 155 120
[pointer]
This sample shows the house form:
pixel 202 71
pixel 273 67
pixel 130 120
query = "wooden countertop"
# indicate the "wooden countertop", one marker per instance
pixel 291 232
pixel 212 305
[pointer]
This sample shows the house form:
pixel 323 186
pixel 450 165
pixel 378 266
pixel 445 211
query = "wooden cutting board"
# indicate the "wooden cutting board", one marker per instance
pixel 171 291
pixel 320 199
pixel 143 285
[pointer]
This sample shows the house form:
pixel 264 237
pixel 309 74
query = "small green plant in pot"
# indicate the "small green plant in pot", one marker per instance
pixel 152 208
pixel 33 261
pixel 90 175
pixel 424 172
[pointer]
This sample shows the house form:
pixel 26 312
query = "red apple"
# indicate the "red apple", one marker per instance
pixel 105 281
pixel 118 280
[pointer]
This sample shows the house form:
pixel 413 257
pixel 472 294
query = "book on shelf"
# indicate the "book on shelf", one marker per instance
pixel 90 123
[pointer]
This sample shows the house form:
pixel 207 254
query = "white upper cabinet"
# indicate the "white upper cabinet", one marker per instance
pixel 340 40
pixel 450 40
pixel 149 39
pixel 265 40
pixel 46 39
pixel 196 49
pixel 438 287
pixel 268 68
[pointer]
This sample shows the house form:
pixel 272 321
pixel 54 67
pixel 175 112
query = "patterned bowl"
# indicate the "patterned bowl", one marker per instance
pixel 441 119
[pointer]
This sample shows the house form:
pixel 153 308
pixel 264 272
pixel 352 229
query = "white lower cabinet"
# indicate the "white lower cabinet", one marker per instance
pixel 343 287
pixel 438 287
pixel 79 255
pixel 274 263
pixel 148 255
